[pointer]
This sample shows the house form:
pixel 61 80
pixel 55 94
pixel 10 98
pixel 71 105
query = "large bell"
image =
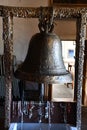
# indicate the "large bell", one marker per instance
pixel 44 61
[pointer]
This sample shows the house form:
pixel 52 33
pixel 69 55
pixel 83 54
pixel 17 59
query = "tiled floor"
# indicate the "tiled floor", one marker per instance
pixel 60 92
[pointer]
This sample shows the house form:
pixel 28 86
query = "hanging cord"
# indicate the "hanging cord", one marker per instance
pixel 46 21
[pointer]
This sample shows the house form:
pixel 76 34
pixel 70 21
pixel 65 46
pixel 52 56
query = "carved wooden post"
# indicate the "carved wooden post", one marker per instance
pixel 78 28
pixel 80 68
pixel 8 49
pixel 84 89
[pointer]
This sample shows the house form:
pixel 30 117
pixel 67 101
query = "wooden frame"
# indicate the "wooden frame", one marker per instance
pixel 81 3
pixel 70 1
pixel 7 14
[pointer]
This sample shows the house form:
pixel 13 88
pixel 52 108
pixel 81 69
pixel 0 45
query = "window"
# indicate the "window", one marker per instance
pixel 71 53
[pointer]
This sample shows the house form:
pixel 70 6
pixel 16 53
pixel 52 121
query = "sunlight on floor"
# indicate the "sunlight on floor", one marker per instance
pixel 60 92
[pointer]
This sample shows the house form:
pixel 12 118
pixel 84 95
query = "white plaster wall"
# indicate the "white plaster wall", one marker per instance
pixel 23 31
pixel 27 3
pixel 66 29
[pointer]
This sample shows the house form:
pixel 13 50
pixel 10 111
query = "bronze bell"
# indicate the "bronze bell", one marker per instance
pixel 44 61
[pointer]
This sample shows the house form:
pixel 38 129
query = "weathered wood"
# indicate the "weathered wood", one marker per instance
pixel 84 88
pixel 8 50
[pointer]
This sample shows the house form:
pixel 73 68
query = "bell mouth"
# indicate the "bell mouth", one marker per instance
pixel 49 79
